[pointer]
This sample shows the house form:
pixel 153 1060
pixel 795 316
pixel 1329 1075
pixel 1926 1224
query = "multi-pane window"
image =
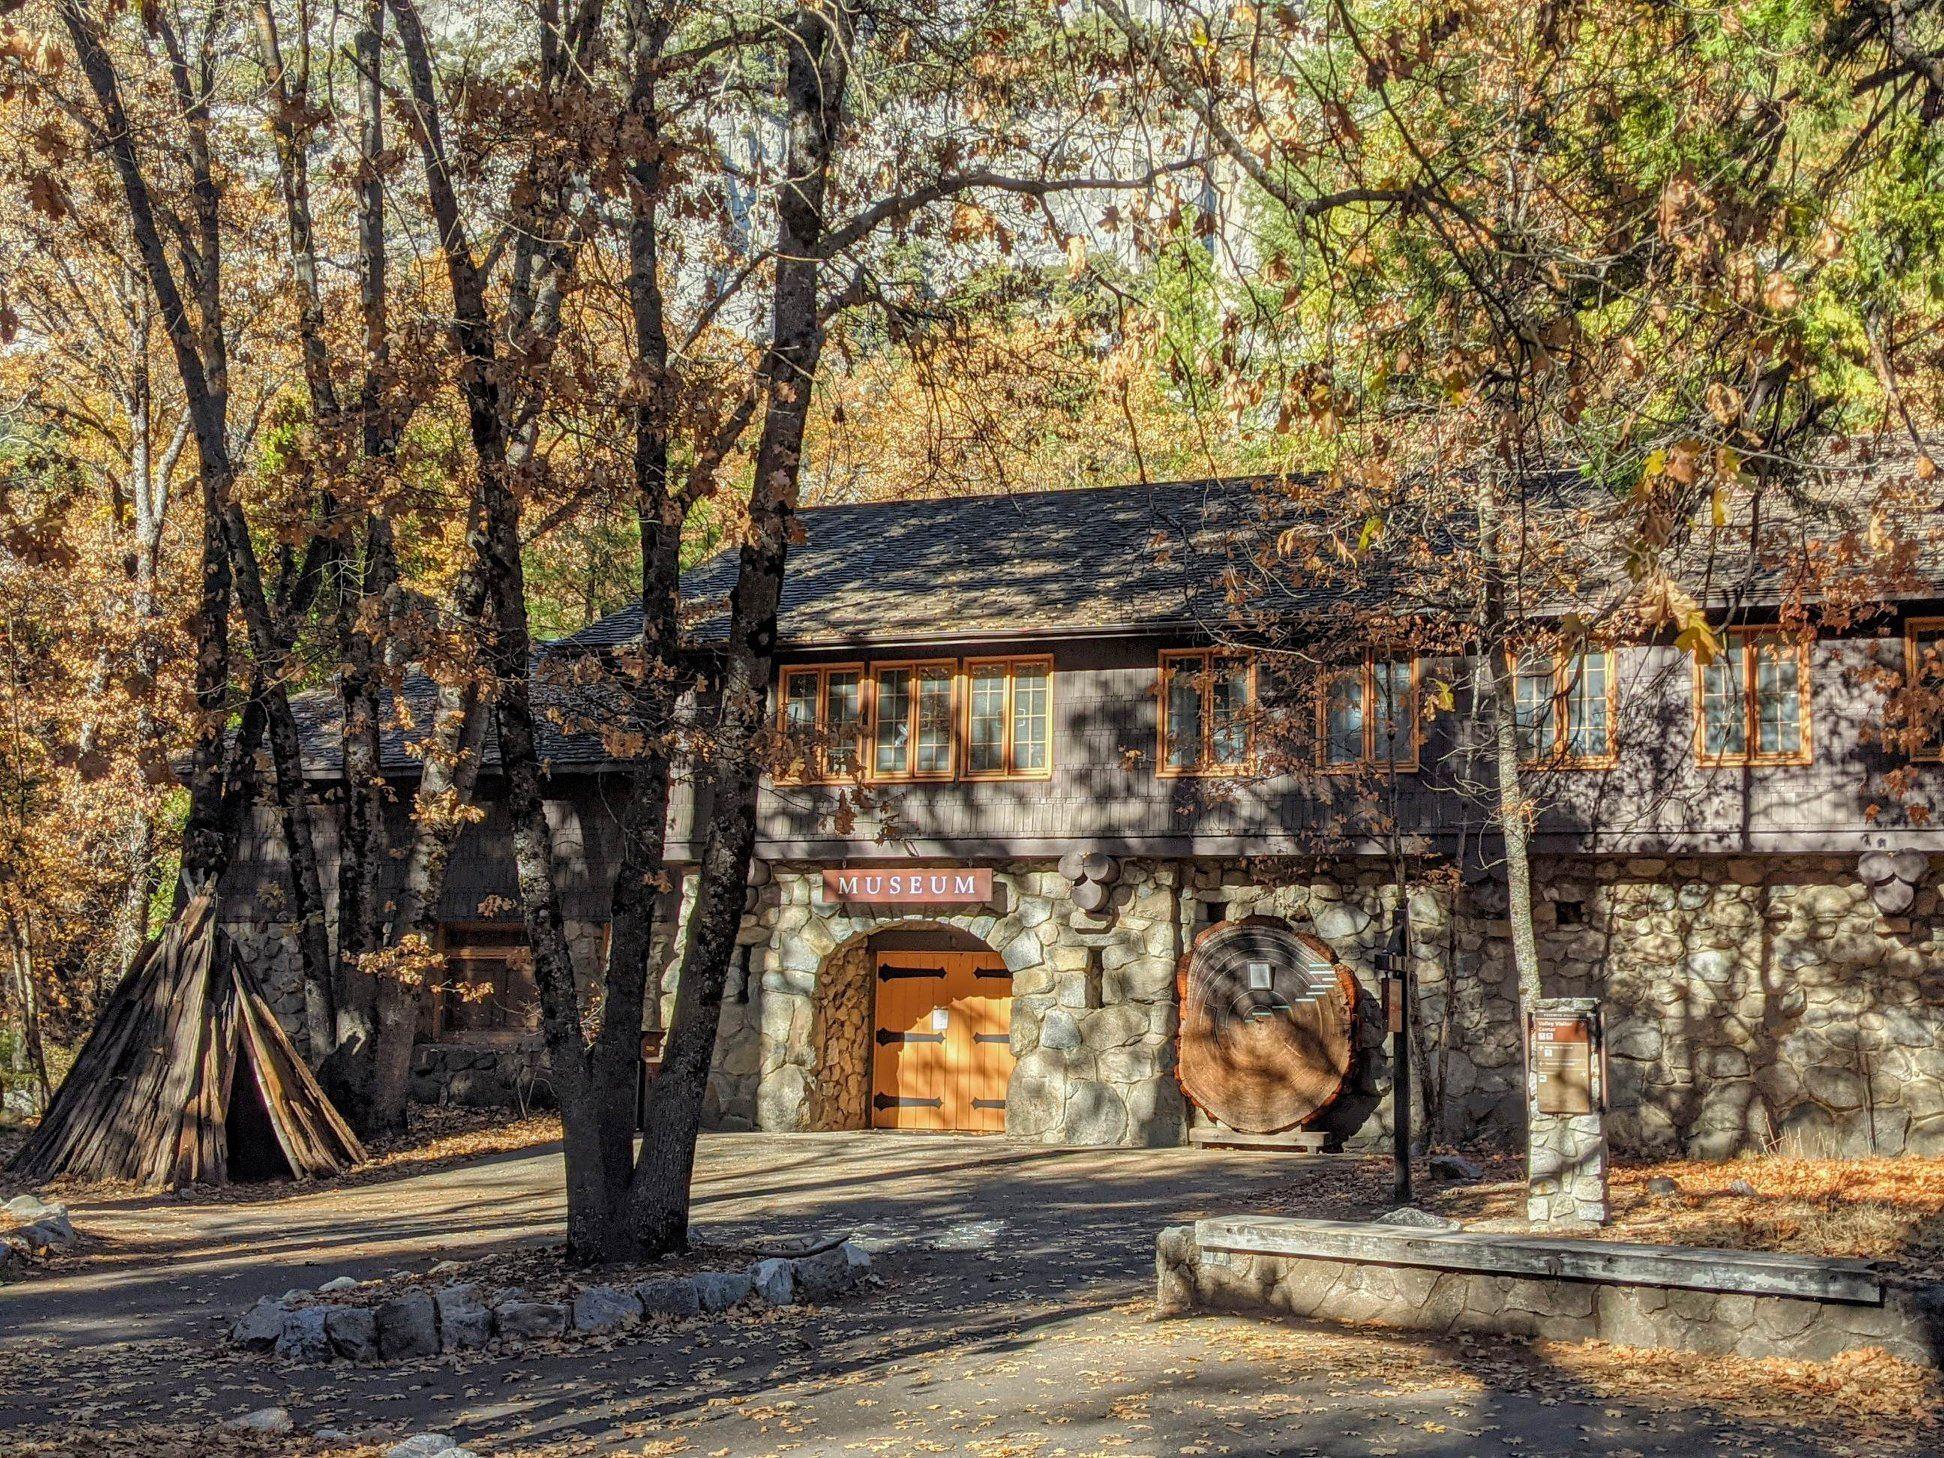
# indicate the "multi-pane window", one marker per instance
pixel 913 732
pixel 1564 708
pixel 1008 729
pixel 488 994
pixel 1368 715
pixel 930 720
pixel 822 722
pixel 1752 700
pixel 1207 703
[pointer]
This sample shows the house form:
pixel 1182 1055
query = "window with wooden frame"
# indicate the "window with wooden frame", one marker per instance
pixel 1008 718
pixel 1207 711
pixel 820 713
pixel 1924 667
pixel 914 723
pixel 1565 707
pixel 1751 700
pixel 488 994
pixel 1368 715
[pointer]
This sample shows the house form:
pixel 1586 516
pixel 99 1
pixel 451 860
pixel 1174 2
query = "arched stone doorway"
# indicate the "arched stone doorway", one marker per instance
pixel 858 1050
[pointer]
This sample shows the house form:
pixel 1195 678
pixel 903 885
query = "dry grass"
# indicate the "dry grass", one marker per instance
pixel 1884 1209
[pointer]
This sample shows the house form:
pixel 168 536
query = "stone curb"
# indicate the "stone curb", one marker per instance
pixel 458 1317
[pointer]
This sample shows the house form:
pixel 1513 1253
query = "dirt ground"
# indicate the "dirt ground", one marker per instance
pixel 1012 1322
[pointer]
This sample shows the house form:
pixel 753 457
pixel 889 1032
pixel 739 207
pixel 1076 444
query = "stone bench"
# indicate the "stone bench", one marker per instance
pixel 1745 1303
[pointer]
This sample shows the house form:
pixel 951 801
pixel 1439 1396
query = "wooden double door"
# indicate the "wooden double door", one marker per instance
pixel 942 1041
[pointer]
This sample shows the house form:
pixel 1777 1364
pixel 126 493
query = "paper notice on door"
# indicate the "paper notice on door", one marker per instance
pixel 941 1019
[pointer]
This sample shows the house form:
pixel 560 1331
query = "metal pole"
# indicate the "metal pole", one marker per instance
pixel 1398 956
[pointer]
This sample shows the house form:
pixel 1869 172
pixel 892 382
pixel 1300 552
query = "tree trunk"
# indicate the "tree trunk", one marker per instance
pixel 817 39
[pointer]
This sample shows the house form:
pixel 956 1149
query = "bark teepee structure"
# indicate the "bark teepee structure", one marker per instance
pixel 188 1078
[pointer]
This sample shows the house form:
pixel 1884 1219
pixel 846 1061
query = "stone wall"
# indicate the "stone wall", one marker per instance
pixel 1751 1002
pixel 1909 1322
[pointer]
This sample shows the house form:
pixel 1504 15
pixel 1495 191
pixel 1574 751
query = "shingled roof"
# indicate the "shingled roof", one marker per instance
pixel 1078 561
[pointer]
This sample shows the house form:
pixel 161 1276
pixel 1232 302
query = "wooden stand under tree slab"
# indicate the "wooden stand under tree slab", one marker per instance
pixel 188 1078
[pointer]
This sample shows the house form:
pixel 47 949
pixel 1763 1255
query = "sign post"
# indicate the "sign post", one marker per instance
pixel 1566 1144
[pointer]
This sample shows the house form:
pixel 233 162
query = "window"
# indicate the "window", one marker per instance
pixel 1924 652
pixel 822 714
pixel 1752 700
pixel 488 995
pixel 1207 699
pixel 1564 708
pixel 1368 715
pixel 914 735
pixel 1008 725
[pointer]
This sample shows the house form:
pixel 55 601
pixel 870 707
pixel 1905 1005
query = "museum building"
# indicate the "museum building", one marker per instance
pixel 1027 851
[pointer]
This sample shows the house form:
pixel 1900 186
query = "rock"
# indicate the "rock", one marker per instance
pixel 668 1296
pixel 423 1445
pixel 353 1332
pixel 521 1320
pixel 30 1207
pixel 1744 1190
pixel 339 1283
pixel 44 1236
pixel 257 1329
pixel 408 1326
pixel 1060 1031
pixel 445 1268
pixel 1417 1219
pixel 774 1281
pixel 302 1338
pixel 464 1322
pixel 605 1308
pixel 832 1272
pixel 272 1420
pixel 719 1290
pixel 1455 1167
pixel 1662 1185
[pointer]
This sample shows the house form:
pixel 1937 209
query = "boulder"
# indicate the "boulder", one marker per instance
pixel 464 1322
pixel 408 1326
pixel 773 1281
pixel 523 1320
pixel 719 1290
pixel 353 1332
pixel 832 1272
pixel 601 1309
pixel 1662 1185
pixel 1455 1167
pixel 257 1329
pixel 339 1283
pixel 423 1445
pixel 30 1207
pixel 303 1338
pixel 668 1296
pixel 273 1420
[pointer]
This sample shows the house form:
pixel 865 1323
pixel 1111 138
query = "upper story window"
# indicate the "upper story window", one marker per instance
pixel 1752 700
pixel 913 735
pixel 1369 715
pixel 1924 652
pixel 1008 717
pixel 932 719
pixel 1564 708
pixel 823 721
pixel 1207 701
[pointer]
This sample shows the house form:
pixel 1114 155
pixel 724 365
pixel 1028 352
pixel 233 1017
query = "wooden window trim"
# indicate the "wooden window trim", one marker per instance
pixel 1367 672
pixel 817 772
pixel 1011 666
pixel 1557 757
pixel 911 774
pixel 1915 629
pixel 1751 757
pixel 477 1037
pixel 1202 769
